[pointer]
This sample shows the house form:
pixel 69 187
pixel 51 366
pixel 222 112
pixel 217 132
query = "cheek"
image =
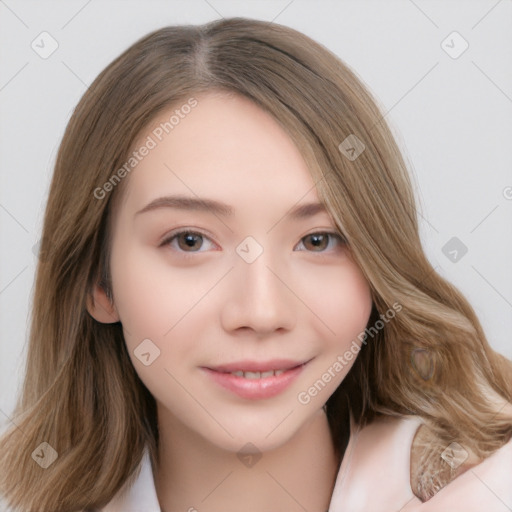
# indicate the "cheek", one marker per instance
pixel 139 299
pixel 344 306
pixel 152 298
pixel 168 306
pixel 158 308
pixel 344 309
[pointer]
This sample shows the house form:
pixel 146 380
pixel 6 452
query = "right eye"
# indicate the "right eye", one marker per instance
pixel 185 239
pixel 322 236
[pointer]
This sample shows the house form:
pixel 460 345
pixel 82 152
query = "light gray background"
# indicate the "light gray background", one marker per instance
pixel 452 118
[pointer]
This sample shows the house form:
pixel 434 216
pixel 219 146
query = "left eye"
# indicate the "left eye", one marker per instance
pixel 185 242
pixel 190 239
pixel 318 239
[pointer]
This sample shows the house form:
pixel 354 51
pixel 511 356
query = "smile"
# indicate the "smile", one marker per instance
pixel 257 375
pixel 256 384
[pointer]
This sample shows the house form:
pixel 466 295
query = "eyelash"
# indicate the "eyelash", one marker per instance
pixel 168 240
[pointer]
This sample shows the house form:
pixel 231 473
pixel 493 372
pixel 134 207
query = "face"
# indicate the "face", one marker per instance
pixel 202 292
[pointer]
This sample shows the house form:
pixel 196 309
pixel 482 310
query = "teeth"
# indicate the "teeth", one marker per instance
pixel 252 375
pixel 257 375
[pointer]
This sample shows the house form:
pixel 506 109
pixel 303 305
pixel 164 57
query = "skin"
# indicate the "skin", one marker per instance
pixel 296 300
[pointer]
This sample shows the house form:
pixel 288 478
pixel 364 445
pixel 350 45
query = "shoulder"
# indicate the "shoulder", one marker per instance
pixel 431 468
pixel 374 472
pixel 434 468
pixel 381 458
pixel 138 492
pixel 456 475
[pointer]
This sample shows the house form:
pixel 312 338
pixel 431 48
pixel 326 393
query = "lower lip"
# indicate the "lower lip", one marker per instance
pixel 256 389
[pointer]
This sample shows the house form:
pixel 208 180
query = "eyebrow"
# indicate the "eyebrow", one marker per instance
pixel 212 206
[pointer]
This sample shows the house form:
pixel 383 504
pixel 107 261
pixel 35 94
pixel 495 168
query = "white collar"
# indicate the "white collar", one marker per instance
pixel 138 493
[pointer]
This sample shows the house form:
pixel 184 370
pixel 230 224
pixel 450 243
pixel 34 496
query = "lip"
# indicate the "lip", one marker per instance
pixel 256 389
pixel 255 366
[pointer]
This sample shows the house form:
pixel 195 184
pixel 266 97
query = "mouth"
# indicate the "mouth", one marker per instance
pixel 257 369
pixel 256 380
pixel 256 375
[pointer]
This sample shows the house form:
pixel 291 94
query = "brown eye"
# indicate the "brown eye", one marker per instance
pixel 185 241
pixel 318 242
pixel 188 240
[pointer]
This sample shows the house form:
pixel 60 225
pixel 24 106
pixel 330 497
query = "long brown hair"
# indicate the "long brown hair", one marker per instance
pixel 81 394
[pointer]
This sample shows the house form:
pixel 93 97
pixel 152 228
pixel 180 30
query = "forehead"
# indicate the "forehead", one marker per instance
pixel 225 147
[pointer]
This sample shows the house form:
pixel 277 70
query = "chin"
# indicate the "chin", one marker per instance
pixel 247 441
pixel 265 433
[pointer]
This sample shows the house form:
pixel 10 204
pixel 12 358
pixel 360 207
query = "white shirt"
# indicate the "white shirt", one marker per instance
pixel 374 476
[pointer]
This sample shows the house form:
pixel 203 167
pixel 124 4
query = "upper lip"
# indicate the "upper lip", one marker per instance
pixel 257 366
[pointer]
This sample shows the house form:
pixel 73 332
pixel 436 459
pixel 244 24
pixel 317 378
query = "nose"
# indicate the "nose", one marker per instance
pixel 259 297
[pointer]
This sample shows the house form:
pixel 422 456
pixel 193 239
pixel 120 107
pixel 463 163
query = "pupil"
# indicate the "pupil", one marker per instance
pixel 317 240
pixel 190 240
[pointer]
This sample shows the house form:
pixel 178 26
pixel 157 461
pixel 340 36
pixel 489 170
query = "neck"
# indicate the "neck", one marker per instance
pixel 193 474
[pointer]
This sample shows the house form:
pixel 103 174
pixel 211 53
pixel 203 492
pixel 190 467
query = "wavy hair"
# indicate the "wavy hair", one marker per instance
pixel 80 392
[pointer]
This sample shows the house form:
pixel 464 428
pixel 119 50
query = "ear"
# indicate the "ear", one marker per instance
pixel 100 307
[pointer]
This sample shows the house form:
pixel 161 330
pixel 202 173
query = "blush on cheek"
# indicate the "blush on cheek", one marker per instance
pixel 348 305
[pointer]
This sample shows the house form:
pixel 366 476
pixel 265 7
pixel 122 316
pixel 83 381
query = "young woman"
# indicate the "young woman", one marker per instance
pixel 233 310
